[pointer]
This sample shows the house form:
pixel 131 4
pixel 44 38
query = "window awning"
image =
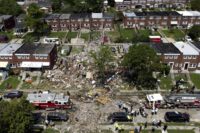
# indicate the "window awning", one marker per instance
pixel 3 64
pixel 34 64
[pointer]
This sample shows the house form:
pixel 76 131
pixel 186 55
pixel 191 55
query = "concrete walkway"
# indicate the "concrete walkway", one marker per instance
pixel 129 127
pixel 172 77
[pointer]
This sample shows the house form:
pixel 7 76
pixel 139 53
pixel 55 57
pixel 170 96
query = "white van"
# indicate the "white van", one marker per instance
pixel 51 41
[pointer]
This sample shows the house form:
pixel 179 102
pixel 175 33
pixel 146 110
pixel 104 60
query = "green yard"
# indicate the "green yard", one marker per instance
pixel 127 34
pixel 85 36
pixel 195 79
pixel 95 35
pixel 166 82
pixel 57 34
pixel 50 130
pixel 10 83
pixel 71 35
pixel 176 34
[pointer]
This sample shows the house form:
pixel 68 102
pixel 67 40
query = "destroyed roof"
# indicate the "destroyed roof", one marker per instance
pixel 165 48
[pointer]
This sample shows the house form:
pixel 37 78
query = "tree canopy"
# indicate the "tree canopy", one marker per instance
pixel 56 5
pixel 141 61
pixel 195 5
pixel 102 60
pixel 15 116
pixel 34 20
pixel 83 5
pixel 10 7
pixel 194 32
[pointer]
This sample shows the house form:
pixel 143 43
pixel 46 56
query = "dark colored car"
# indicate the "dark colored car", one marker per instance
pixel 119 117
pixel 177 117
pixel 57 116
pixel 13 94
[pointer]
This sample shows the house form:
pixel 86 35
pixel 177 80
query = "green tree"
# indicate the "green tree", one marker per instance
pixel 10 7
pixel 56 5
pixel 141 61
pixel 195 5
pixel 111 3
pixel 102 60
pixel 194 32
pixel 15 116
pixel 34 20
pixel 83 5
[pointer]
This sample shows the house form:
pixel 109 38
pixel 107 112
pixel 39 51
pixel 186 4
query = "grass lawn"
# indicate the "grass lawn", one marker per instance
pixel 95 35
pixel 71 35
pixel 166 82
pixel 50 130
pixel 85 36
pixel 113 35
pixel 57 34
pixel 11 81
pixel 174 33
pixel 127 34
pixel 195 79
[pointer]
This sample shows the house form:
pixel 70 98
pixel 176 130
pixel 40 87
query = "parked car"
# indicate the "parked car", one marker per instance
pixel 57 116
pixel 177 117
pixel 13 94
pixel 119 117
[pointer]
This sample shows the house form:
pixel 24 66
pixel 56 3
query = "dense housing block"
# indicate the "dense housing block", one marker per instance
pixel 184 19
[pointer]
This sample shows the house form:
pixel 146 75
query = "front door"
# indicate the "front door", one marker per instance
pixel 186 66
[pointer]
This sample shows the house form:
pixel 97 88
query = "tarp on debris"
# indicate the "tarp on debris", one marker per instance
pixel 34 64
pixel 154 97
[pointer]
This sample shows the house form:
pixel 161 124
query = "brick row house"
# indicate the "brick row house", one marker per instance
pixel 28 56
pixel 83 21
pixel 161 19
pixel 122 5
pixel 180 55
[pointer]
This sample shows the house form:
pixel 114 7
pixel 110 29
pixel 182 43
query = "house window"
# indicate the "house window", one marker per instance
pixel 185 57
pixel 175 57
pixel 194 57
pixel 180 65
pixel 10 57
pixel 171 57
pixel 176 65
pixel 166 57
pixel 189 57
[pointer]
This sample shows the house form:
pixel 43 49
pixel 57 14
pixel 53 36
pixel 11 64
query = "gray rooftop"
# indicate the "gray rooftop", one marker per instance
pixel 9 49
pixel 35 49
pixel 65 16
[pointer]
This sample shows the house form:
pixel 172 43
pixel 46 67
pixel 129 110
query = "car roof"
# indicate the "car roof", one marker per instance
pixel 175 113
pixel 119 114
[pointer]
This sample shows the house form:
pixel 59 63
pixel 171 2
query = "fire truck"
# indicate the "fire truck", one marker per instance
pixel 183 100
pixel 179 100
pixel 44 100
